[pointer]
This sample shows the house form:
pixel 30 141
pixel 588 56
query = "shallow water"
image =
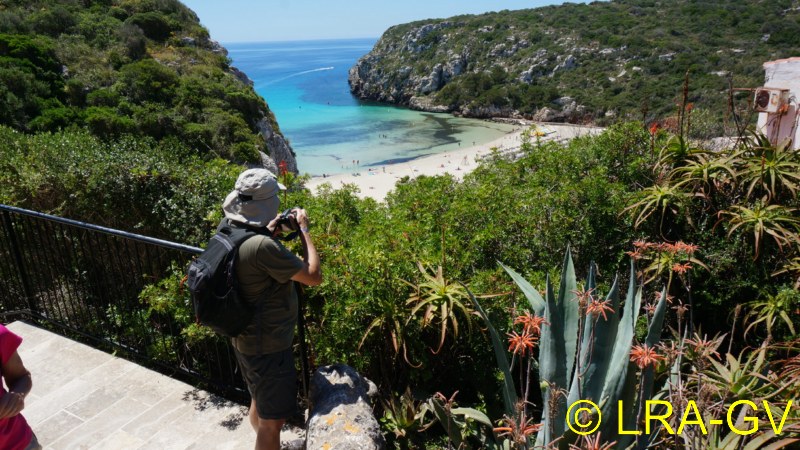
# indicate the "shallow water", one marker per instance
pixel 305 85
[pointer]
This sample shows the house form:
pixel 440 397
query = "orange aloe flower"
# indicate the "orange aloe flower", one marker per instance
pixel 584 296
pixel 595 443
pixel 597 308
pixel 644 356
pixel 704 347
pixel 521 344
pixel 636 254
pixel 658 298
pixel 518 432
pixel 531 323
pixel 681 268
pixel 687 248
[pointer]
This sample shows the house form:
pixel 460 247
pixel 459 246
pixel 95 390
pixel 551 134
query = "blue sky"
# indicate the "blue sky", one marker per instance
pixel 286 20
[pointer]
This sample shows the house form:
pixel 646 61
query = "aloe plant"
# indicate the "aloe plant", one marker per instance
pixel 584 356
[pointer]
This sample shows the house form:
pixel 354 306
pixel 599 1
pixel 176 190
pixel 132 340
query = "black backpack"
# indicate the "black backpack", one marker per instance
pixel 211 280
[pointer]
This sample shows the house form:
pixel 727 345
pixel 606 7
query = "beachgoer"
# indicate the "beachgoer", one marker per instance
pixel 15 433
pixel 265 270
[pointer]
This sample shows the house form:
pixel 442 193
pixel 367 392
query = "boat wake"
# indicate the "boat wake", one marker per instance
pixel 299 73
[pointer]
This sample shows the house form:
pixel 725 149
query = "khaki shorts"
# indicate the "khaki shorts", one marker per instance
pixel 272 381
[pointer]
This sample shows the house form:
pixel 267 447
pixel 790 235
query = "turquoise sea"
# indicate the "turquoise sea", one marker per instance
pixel 305 85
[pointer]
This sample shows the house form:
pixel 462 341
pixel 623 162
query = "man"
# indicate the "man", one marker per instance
pixel 265 270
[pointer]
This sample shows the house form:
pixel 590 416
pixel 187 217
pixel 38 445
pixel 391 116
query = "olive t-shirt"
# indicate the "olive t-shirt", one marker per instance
pixel 264 268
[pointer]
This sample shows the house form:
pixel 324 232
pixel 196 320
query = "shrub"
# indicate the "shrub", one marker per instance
pixel 154 25
pixel 148 80
pixel 107 122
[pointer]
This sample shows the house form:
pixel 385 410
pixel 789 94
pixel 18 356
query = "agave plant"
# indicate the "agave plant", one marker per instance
pixel 583 357
pixel 438 299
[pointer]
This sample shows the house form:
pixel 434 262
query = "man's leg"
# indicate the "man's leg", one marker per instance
pixel 269 434
pixel 253 415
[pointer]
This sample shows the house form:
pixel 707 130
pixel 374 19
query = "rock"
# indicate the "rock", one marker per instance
pixel 568 63
pixel 241 76
pixel 426 104
pixel 485 112
pixel 666 56
pixel 341 416
pixel 279 149
pixel 295 444
pixel 545 115
pixel 454 67
pixel 563 101
pixel 188 41
pixel 432 82
pixel 215 47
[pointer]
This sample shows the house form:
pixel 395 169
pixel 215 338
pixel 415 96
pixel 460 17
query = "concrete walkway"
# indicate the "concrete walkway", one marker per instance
pixel 84 398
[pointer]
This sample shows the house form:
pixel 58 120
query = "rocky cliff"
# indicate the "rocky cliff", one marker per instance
pixel 578 62
pixel 278 149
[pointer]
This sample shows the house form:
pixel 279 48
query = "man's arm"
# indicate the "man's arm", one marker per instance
pixel 311 273
pixel 19 383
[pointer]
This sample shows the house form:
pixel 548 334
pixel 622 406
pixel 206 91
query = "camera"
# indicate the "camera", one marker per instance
pixel 287 222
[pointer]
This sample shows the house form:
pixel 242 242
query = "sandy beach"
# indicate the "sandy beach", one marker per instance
pixel 376 182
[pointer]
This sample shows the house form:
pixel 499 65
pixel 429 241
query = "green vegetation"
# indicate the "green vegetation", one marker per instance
pixel 155 188
pixel 126 67
pixel 622 57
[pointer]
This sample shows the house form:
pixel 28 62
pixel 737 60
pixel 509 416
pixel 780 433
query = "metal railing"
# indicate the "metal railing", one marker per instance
pixel 84 281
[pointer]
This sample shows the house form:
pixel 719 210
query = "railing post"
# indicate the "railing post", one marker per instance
pixel 12 237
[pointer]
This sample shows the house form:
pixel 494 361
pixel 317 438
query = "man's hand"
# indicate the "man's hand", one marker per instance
pixel 273 227
pixel 301 217
pixel 311 274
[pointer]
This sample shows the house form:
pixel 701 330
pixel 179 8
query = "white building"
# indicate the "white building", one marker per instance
pixel 780 111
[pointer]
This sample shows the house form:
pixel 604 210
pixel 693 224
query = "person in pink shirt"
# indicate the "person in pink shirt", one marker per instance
pixel 15 434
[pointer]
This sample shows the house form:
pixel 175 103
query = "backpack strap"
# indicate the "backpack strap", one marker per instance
pixel 239 232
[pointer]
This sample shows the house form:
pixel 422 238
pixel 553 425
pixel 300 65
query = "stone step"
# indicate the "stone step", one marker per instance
pixel 84 398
